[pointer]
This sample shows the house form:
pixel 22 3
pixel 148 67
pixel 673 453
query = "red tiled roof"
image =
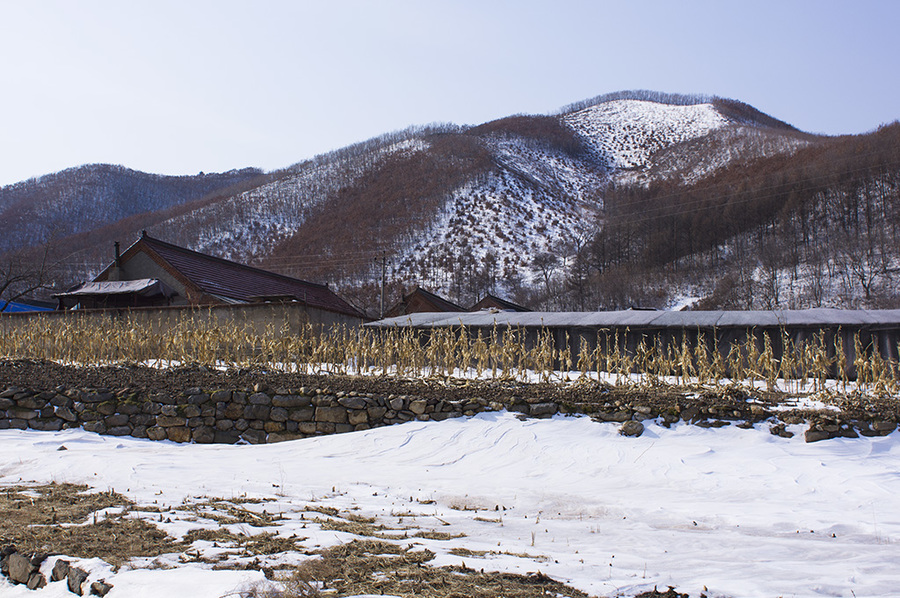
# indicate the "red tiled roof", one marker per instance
pixel 231 280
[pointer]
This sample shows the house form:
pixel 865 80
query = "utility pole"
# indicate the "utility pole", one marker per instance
pixel 383 280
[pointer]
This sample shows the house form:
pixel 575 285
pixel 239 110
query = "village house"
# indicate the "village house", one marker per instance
pixel 153 273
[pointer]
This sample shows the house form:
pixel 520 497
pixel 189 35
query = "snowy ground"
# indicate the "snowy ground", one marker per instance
pixel 740 512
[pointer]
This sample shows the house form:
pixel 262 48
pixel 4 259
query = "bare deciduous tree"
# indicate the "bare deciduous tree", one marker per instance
pixel 22 273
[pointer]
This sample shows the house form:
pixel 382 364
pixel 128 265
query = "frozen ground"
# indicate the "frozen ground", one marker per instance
pixel 739 512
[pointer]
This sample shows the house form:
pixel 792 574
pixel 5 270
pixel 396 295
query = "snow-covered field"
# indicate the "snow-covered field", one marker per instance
pixel 739 512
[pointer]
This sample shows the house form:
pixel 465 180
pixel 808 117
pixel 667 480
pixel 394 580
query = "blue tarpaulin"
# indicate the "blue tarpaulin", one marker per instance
pixel 14 307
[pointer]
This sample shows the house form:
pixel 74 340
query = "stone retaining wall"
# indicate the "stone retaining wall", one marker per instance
pixel 256 416
pixel 259 415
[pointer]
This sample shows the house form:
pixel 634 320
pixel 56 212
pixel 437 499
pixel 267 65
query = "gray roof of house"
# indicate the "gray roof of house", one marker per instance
pixel 650 319
pixel 143 286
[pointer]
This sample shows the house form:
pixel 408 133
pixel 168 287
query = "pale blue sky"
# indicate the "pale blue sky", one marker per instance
pixel 179 86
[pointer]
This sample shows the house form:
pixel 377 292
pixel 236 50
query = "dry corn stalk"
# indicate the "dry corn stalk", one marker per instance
pixel 197 337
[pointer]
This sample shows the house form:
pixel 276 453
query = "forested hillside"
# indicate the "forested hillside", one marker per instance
pixel 817 227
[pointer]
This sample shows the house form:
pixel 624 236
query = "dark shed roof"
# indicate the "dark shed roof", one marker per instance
pixel 224 279
pixel 420 300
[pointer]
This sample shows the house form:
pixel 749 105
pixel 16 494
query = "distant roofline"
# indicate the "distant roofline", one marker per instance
pixel 502 301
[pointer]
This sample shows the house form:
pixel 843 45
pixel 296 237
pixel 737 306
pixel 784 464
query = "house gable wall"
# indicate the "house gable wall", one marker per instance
pixel 141 265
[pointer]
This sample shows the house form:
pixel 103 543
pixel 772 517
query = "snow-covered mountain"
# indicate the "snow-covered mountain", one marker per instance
pixel 507 207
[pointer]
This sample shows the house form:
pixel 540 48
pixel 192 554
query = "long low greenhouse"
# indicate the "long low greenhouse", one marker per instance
pixel 630 332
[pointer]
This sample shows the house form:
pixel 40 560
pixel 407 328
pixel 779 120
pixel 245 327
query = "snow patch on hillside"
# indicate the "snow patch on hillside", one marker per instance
pixel 552 170
pixel 489 230
pixel 628 132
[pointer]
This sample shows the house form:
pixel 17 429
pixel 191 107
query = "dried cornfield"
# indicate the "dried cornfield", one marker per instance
pixel 815 364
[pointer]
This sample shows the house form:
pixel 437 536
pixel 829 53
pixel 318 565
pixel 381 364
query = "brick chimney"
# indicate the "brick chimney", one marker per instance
pixel 115 273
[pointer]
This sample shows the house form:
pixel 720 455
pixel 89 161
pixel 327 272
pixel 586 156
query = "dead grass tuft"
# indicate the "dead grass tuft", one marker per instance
pixel 330 511
pixel 465 552
pixel 227 512
pixel 433 535
pixel 267 544
pixel 359 518
pixel 218 536
pixel 358 528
